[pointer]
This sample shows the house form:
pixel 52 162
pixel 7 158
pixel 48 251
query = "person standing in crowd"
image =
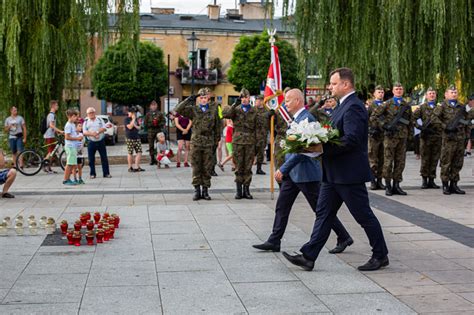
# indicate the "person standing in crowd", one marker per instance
pixel 229 130
pixel 280 127
pixel 396 115
pixel 7 177
pixel 94 130
pixel 299 173
pixel 430 139
pixel 154 122
pixel 217 150
pixel 132 139
pixel 342 182
pixel 71 138
pixel 16 128
pixel 261 133
pixel 376 138
pixel 311 102
pixel 454 118
pixel 50 133
pixel 470 106
pixel 205 136
pixel 183 135
pixel 244 117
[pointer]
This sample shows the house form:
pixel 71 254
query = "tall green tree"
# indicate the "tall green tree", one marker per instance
pixel 251 59
pixel 383 41
pixel 43 43
pixel 113 80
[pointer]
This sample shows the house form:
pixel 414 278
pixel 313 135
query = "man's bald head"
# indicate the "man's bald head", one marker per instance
pixel 294 100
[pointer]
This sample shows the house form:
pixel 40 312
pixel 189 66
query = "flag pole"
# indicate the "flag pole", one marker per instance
pixel 271 33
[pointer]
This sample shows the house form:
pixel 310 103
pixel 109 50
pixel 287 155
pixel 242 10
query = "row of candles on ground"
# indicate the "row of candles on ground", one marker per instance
pixel 105 228
pixel 49 224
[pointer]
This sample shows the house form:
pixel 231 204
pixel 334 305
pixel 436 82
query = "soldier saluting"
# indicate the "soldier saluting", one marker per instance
pixel 430 144
pixel 454 119
pixel 244 117
pixel 396 117
pixel 205 136
pixel 376 138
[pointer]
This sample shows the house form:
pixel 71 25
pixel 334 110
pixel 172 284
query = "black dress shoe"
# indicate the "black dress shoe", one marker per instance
pixel 267 246
pixel 300 261
pixel 379 184
pixel 342 246
pixel 213 172
pixel 374 264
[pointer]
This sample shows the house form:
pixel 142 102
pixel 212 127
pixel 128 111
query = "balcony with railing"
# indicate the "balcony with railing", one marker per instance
pixel 201 76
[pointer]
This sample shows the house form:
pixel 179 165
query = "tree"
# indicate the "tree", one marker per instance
pixel 251 59
pixel 383 41
pixel 44 42
pixel 113 80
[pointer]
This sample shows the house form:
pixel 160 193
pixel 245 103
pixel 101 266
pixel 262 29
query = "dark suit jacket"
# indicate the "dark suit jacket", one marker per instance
pixel 299 167
pixel 349 162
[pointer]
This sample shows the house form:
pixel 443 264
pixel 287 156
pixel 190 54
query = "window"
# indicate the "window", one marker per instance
pixel 202 59
pixel 231 99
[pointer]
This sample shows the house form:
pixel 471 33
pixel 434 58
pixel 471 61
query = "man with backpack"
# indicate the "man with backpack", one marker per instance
pixel 49 131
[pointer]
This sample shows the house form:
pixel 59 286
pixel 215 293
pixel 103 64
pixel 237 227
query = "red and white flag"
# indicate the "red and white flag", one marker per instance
pixel 273 95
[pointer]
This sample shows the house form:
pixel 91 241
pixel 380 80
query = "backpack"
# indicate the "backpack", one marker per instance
pixel 44 124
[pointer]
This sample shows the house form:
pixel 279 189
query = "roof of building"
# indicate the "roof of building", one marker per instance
pixel 202 22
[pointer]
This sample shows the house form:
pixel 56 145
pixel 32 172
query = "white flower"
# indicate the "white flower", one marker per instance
pixel 308 132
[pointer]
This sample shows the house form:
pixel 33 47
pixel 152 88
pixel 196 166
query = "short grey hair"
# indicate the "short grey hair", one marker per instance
pixel 160 134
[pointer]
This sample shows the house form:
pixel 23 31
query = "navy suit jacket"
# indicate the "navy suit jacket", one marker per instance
pixel 349 162
pixel 299 167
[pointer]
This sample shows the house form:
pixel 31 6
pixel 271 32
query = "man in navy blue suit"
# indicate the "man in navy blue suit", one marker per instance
pixel 299 173
pixel 345 172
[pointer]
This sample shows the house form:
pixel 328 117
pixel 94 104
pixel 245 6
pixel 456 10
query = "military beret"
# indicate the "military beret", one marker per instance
pixel 203 91
pixel 430 89
pixel 259 97
pixel 397 84
pixel 452 87
pixel 244 93
pixel 379 87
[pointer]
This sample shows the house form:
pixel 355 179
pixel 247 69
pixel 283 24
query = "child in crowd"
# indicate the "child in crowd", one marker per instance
pixel 80 155
pixel 70 145
pixel 228 142
pixel 164 152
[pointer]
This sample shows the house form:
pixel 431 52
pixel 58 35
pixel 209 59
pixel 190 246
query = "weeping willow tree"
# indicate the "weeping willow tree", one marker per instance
pixel 411 41
pixel 43 43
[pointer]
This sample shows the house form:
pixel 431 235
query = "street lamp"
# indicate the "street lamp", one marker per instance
pixel 192 48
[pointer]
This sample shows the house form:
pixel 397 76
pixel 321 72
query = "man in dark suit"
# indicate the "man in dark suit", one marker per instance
pixel 345 172
pixel 299 173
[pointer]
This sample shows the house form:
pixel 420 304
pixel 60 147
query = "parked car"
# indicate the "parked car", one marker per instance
pixel 111 134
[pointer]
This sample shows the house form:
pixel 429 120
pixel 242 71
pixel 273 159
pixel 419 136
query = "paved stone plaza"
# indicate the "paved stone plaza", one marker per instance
pixel 175 256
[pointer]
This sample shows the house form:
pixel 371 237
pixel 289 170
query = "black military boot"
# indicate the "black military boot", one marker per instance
pixel 388 187
pixel 238 194
pixel 432 184
pixel 152 160
pixel 424 184
pixel 197 193
pixel 373 185
pixel 213 172
pixel 397 190
pixel 259 170
pixel 380 185
pixel 455 189
pixel 446 189
pixel 205 194
pixel 247 194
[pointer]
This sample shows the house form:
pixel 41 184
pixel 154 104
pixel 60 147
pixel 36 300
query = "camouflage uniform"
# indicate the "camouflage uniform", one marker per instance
pixel 452 151
pixel 205 136
pixel 261 133
pixel 430 143
pixel 243 140
pixel 280 128
pixel 155 122
pixel 376 152
pixel 394 143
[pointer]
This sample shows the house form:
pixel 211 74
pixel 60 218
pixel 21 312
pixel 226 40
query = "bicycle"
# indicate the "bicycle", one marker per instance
pixel 33 161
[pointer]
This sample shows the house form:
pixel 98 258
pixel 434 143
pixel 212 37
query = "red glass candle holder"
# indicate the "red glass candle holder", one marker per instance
pixel 96 217
pixel 77 239
pixel 100 236
pixel 88 216
pixel 83 219
pixel 107 235
pixel 70 239
pixel 112 232
pixel 90 239
pixel 77 225
pixel 106 215
pixel 116 221
pixel 64 227
pixel 90 225
pixel 100 224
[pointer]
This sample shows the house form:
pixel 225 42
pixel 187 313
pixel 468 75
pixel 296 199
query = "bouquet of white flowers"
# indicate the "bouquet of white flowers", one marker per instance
pixel 307 137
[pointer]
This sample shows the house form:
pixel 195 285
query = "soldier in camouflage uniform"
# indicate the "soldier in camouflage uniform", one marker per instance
pixel 244 117
pixel 430 143
pixel 279 132
pixel 262 131
pixel 205 136
pixel 454 120
pixel 396 116
pixel 155 122
pixel 376 140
